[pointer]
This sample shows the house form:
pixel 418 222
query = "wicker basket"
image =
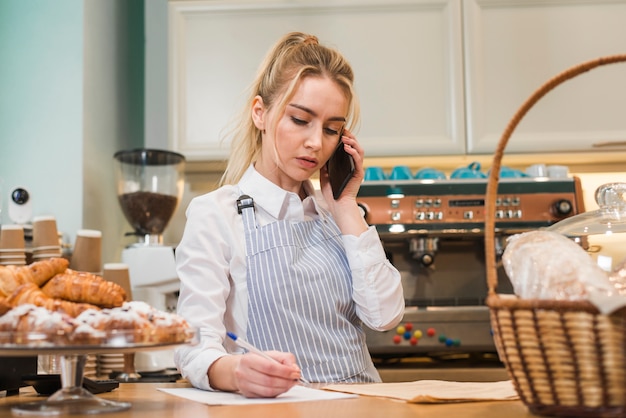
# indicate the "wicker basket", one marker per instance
pixel 564 357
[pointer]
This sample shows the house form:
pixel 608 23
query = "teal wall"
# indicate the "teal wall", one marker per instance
pixel 41 91
pixel 71 94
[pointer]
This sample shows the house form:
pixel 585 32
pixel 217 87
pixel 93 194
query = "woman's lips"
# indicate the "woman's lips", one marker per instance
pixel 307 162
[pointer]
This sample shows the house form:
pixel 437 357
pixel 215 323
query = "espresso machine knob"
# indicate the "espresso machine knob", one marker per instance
pixel 423 250
pixel 427 259
pixel 563 207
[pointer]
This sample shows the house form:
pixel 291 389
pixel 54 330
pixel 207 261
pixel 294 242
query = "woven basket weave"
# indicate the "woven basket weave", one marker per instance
pixel 564 357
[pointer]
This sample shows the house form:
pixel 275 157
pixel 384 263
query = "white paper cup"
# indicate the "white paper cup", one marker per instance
pixel 558 171
pixel 537 170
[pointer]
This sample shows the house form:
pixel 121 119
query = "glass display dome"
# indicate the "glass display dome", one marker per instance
pixel 601 232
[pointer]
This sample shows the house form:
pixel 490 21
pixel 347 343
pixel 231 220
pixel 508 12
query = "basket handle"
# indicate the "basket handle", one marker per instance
pixel 492 182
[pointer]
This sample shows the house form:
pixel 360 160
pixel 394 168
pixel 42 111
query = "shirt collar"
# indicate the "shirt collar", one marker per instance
pixel 276 201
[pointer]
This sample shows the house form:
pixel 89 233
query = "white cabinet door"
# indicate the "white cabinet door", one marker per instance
pixel 512 47
pixel 406 54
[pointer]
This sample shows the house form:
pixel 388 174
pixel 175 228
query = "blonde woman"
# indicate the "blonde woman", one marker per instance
pixel 295 274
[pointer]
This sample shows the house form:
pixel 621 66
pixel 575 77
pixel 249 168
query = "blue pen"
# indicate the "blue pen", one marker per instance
pixel 246 345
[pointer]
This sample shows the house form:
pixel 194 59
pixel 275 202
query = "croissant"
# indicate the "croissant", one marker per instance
pixel 11 277
pixel 39 272
pixel 85 287
pixel 31 293
pixel 4 306
pixel 44 270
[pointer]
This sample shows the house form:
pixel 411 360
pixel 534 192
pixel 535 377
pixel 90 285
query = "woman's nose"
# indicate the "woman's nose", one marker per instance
pixel 314 138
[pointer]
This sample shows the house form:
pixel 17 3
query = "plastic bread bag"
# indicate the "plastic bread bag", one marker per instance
pixel 543 264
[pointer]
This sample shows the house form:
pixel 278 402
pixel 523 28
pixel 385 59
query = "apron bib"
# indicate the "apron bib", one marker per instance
pixel 299 297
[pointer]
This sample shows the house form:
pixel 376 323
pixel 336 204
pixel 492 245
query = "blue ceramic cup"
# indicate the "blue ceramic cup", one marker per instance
pixel 472 171
pixel 508 172
pixel 374 174
pixel 401 172
pixel 430 173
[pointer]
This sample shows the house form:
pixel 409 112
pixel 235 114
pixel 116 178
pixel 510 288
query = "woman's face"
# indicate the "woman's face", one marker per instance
pixel 306 134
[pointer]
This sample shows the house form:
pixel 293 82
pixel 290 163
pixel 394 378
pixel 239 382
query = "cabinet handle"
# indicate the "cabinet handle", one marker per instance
pixel 609 144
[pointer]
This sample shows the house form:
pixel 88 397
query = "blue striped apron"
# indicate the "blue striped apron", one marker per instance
pixel 300 297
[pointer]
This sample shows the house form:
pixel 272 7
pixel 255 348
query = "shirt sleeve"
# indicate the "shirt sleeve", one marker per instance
pixel 377 288
pixel 204 258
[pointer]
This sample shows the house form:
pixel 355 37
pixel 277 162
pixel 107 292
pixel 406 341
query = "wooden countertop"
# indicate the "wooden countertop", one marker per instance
pixel 147 401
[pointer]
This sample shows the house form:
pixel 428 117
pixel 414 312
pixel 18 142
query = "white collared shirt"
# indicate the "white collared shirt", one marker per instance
pixel 211 264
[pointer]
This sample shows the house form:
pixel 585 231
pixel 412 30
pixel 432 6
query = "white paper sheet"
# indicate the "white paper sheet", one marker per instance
pixel 295 394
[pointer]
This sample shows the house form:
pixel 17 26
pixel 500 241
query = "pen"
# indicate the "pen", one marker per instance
pixel 246 345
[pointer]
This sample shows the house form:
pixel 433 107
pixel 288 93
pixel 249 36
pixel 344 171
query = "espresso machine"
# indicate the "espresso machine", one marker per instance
pixel 150 184
pixel 433 233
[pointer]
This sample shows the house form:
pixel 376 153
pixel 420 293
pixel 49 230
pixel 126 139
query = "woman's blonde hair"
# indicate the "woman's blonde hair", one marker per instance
pixel 296 56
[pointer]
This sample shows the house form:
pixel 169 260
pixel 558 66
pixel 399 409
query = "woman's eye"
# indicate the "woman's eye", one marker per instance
pixel 331 131
pixel 298 121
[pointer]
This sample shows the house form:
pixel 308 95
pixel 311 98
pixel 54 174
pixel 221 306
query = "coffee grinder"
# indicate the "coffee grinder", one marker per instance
pixel 150 185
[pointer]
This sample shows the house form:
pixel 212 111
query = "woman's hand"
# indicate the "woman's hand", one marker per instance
pixel 345 210
pixel 255 376
pixel 352 147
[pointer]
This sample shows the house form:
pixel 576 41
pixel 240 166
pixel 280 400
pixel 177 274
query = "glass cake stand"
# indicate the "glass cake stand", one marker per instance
pixel 72 398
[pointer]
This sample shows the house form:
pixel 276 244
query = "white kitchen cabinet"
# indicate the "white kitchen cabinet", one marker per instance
pixel 512 47
pixel 435 77
pixel 407 57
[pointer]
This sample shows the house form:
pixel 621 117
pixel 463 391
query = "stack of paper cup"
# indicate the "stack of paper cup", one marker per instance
pixel 46 243
pixel 113 363
pixel 12 245
pixel 49 364
pixel 91 366
pixel 109 363
pixel 87 253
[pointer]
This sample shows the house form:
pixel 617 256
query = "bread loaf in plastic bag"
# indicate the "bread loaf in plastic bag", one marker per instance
pixel 547 265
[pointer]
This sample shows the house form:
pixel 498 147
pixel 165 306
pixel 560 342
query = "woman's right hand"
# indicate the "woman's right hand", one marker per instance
pixel 255 376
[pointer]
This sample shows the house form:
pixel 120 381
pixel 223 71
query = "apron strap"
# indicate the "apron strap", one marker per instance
pixel 245 207
pixel 244 202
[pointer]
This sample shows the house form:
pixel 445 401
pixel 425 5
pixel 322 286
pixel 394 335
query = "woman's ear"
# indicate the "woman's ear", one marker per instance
pixel 258 113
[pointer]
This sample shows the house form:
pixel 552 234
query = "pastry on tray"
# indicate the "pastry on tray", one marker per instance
pixel 35 325
pixel 39 272
pixel 32 294
pixel 75 308
pixel 86 288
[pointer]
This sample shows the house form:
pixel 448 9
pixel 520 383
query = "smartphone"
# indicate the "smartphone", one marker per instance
pixel 340 168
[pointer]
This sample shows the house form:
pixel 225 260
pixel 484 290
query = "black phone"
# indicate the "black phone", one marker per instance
pixel 340 168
